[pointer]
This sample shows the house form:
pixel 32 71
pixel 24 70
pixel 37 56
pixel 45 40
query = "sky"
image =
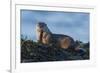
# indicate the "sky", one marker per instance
pixel 74 24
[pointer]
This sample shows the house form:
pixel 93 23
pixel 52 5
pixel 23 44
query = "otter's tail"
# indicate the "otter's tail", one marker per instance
pixel 80 50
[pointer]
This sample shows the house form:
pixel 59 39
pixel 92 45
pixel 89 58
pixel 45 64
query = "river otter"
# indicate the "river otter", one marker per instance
pixel 45 36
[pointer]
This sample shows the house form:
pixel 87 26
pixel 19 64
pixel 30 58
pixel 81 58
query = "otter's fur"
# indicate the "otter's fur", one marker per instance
pixel 45 36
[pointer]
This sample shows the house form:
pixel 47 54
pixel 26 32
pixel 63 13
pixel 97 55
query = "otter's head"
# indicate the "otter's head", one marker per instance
pixel 41 26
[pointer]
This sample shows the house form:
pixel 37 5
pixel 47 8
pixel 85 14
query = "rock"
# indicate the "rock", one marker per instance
pixel 35 52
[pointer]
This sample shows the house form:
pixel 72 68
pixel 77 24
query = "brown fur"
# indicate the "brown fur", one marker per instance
pixel 65 42
pixel 45 36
